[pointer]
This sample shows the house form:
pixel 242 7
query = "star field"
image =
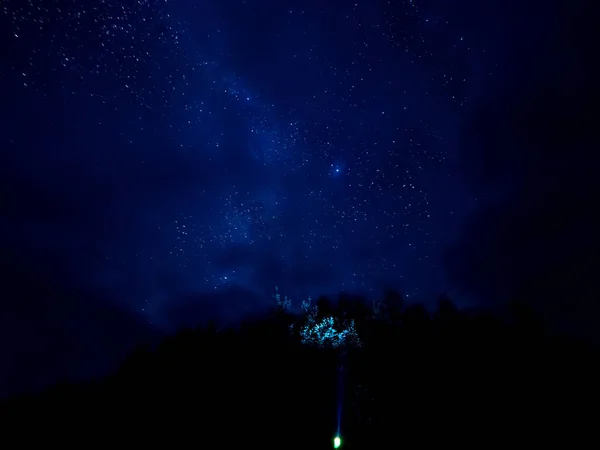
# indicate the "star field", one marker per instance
pixel 244 144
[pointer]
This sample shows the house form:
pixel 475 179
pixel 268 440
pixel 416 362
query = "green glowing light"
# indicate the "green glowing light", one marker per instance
pixel 337 442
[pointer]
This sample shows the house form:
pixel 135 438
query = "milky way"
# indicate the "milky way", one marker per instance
pixel 254 143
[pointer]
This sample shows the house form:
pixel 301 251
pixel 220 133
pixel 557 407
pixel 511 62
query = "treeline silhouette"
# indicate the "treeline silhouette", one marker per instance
pixel 411 378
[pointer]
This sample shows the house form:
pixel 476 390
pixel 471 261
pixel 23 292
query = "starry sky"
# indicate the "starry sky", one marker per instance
pixel 164 162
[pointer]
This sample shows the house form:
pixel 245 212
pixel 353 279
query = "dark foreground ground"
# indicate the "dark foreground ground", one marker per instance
pixel 417 380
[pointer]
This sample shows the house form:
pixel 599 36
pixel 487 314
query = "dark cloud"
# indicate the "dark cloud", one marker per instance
pixel 223 307
pixel 530 149
pixel 53 330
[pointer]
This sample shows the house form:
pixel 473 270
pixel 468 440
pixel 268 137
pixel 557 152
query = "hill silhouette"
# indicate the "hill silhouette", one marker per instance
pixel 387 374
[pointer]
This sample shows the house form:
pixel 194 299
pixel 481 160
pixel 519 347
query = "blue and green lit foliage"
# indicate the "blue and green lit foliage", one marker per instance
pixel 329 332
pixel 284 303
pixel 306 305
pixel 277 296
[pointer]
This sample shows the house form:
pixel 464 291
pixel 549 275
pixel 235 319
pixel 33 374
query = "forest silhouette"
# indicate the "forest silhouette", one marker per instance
pixel 404 377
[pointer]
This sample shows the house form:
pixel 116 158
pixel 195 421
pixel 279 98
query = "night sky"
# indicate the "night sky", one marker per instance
pixel 166 162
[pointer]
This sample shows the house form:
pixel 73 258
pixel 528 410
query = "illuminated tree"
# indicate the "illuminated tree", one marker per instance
pixel 277 296
pixel 286 305
pixel 329 331
pixel 283 305
pixel 306 304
